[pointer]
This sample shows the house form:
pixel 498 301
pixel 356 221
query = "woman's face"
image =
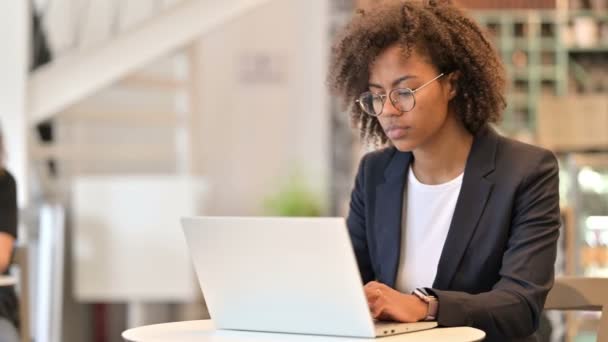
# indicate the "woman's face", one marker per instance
pixel 410 130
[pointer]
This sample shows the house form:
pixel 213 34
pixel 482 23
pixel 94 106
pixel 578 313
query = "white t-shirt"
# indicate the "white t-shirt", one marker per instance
pixel 427 215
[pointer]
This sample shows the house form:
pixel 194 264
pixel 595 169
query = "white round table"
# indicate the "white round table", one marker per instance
pixel 204 331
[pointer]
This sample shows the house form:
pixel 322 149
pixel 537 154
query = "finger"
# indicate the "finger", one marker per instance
pixel 387 316
pixel 373 294
pixel 371 285
pixel 371 299
pixel 378 288
pixel 372 309
pixel 370 289
pixel 378 294
pixel 374 298
pixel 383 287
pixel 377 310
pixel 377 306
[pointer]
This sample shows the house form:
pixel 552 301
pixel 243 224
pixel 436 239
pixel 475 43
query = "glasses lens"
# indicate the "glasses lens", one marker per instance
pixel 403 99
pixel 371 103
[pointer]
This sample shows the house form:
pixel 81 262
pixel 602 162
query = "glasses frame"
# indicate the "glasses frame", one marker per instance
pixel 383 97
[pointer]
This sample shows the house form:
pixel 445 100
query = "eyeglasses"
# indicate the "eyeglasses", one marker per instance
pixel 402 99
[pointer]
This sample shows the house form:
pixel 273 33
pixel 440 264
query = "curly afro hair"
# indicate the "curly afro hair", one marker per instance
pixel 439 30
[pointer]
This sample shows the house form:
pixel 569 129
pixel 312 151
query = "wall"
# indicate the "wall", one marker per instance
pixel 264 104
pixel 14 33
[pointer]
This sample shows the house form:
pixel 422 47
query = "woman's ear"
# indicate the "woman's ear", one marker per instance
pixel 453 79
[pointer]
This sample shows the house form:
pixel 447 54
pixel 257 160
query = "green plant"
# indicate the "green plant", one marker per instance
pixel 294 199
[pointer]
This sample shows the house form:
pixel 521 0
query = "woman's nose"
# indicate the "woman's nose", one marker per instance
pixel 389 109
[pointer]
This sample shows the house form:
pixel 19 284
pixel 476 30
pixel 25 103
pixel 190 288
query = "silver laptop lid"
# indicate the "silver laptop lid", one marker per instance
pixel 292 275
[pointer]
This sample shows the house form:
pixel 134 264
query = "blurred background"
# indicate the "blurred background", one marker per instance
pixel 119 117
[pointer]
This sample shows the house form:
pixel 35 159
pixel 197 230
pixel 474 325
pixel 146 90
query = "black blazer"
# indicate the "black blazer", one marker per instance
pixel 497 264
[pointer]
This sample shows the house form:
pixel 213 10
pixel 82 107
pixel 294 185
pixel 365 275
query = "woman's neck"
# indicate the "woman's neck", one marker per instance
pixel 445 156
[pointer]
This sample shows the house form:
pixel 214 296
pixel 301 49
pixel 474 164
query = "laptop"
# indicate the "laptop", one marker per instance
pixel 283 275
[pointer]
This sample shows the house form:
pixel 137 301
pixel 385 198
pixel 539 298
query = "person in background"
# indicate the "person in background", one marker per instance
pixel 9 313
pixel 451 221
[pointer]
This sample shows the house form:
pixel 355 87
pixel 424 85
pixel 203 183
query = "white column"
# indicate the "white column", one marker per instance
pixel 14 39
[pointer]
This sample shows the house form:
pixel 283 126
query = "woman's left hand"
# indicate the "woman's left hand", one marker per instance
pixel 388 304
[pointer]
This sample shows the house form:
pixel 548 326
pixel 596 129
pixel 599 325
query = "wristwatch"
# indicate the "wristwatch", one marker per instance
pixel 431 300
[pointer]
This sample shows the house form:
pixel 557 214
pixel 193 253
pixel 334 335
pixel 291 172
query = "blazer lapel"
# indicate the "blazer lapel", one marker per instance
pixel 474 194
pixel 389 203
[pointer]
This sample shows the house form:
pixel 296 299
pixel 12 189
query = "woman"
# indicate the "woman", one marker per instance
pixel 452 221
pixel 8 234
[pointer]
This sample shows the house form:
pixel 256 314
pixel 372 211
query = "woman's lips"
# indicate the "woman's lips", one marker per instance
pixel 396 132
